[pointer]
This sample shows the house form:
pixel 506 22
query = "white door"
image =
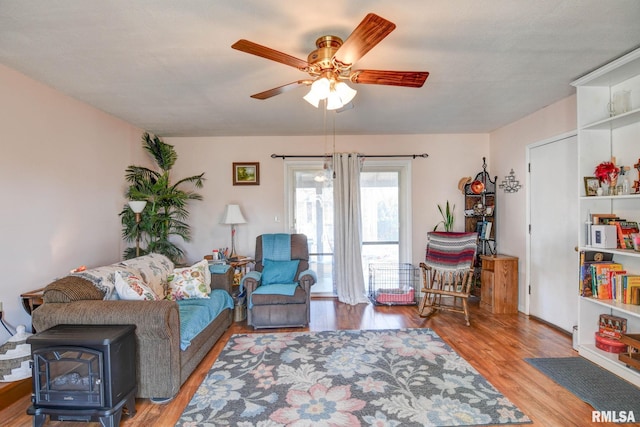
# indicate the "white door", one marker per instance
pixel 553 208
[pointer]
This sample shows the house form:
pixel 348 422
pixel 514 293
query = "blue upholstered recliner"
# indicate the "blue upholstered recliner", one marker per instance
pixel 279 289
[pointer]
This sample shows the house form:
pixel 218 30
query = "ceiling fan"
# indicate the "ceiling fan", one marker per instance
pixel 329 66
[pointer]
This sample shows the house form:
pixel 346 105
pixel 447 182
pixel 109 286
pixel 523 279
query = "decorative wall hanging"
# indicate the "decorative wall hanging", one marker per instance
pixel 510 184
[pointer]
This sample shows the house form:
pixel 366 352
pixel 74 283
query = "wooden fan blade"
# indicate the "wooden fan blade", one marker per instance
pixel 280 89
pixel 392 78
pixel 367 34
pixel 267 52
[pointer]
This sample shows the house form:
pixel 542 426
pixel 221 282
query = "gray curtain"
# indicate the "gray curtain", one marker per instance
pixel 347 229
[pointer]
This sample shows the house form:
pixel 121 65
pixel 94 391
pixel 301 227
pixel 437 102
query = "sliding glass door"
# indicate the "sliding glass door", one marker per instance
pixel 385 214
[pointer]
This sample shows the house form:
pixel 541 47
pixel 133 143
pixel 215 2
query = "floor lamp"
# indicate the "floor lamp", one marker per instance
pixel 137 206
pixel 233 216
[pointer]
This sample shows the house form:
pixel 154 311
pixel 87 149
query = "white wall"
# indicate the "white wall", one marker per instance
pixel 62 186
pixel 434 180
pixel 508 150
pixel 62 181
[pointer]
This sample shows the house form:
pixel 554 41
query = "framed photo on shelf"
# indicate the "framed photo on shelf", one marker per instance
pixel 591 185
pixel 246 173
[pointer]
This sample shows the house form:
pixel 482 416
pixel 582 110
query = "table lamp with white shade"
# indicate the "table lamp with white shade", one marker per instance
pixel 233 216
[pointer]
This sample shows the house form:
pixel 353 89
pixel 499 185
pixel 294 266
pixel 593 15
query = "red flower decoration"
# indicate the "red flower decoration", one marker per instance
pixel 607 172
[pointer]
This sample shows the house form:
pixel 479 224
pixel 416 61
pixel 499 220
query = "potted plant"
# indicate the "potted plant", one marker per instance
pixel 447 217
pixel 166 210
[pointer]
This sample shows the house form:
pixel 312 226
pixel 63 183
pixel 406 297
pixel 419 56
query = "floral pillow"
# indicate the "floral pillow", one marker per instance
pixel 153 269
pixel 190 282
pixel 131 287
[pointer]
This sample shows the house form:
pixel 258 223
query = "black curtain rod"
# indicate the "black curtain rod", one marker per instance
pixel 284 156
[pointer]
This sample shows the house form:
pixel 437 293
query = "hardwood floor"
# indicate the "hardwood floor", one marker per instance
pixel 495 345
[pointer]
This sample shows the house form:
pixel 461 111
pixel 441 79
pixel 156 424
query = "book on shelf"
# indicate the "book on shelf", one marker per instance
pixel 602 218
pixel 629 285
pixel 586 278
pixel 625 229
pixel 601 287
pixel 483 228
pixel 486 229
pixel 615 280
pixel 587 258
pixel 611 221
pixel 609 281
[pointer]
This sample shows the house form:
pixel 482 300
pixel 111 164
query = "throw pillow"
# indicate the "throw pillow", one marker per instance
pixel 131 287
pixel 153 269
pixel 71 288
pixel 279 272
pixel 190 282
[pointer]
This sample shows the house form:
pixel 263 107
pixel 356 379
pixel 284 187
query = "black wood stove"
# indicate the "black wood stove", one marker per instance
pixel 83 373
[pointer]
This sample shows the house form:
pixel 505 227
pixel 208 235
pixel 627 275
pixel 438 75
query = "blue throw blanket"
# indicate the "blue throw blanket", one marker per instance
pixel 277 289
pixel 218 268
pixel 197 313
pixel 288 289
pixel 276 247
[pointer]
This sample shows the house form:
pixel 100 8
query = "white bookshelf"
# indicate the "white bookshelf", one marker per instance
pixel 601 136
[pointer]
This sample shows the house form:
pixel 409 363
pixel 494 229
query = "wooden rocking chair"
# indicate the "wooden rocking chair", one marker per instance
pixel 447 273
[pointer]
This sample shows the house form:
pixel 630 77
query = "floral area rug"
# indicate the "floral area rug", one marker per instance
pixel 406 377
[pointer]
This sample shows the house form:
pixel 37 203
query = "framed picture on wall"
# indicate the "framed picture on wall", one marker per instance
pixel 246 173
pixel 591 185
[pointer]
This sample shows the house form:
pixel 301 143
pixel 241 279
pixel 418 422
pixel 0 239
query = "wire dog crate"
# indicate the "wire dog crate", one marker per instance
pixel 393 284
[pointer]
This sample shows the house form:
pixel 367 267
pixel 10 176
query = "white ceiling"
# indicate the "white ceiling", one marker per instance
pixel 168 67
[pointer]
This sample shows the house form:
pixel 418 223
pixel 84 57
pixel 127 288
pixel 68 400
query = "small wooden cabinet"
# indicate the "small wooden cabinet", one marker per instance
pixel 499 290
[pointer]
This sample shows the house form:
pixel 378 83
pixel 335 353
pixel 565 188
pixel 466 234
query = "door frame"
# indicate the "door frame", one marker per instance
pixel 566 135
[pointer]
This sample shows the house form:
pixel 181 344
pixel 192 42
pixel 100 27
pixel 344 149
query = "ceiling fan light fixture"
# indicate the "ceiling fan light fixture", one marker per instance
pixel 337 94
pixel 332 62
pixel 312 98
pixel 346 93
pixel 319 90
pixel 321 87
pixel 333 101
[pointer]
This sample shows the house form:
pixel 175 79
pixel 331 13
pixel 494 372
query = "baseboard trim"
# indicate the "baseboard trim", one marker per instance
pixel 323 295
pixel 551 325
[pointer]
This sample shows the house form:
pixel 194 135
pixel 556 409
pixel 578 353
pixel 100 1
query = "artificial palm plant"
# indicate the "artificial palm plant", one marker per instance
pixel 166 211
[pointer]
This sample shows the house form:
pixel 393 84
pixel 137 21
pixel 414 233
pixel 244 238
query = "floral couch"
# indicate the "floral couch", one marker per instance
pixel 179 313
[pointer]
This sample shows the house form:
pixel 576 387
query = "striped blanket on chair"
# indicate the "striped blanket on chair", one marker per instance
pixel 450 251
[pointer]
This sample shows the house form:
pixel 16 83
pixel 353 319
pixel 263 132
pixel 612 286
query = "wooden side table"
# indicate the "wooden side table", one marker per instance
pixel 243 266
pixel 32 300
pixel 499 290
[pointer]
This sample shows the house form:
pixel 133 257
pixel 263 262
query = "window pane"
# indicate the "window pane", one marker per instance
pixel 384 253
pixel 380 220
